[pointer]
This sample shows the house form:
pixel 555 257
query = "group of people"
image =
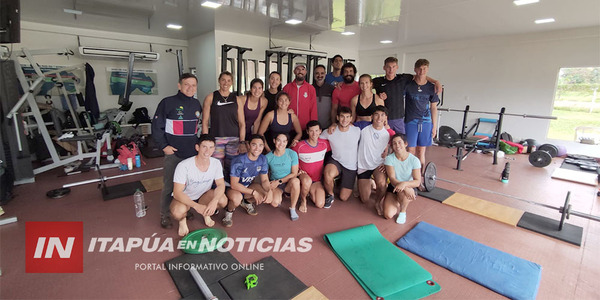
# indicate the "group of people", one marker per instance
pixel 312 134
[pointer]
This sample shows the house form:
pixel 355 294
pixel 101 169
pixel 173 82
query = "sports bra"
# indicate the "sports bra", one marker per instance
pixel 365 112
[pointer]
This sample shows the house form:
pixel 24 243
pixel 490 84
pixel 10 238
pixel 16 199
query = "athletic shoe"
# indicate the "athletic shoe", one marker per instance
pixel 227 221
pixel 401 218
pixel 328 201
pixel 165 222
pixel 249 207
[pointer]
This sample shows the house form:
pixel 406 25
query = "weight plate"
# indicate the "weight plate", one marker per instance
pixel 553 150
pixel 540 158
pixel 194 240
pixel 58 193
pixel 581 157
pixel 430 176
pixel 588 168
pixel 571 161
pixel 448 136
pixel 588 163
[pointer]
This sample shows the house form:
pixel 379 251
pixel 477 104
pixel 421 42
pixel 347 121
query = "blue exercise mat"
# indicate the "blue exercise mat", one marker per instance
pixel 506 274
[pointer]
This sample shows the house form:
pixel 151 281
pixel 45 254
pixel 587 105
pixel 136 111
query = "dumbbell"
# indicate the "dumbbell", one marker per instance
pixel 542 157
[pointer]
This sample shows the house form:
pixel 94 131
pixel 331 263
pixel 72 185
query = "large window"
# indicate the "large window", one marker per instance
pixel 577 105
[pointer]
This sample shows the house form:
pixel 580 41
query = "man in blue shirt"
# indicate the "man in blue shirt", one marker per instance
pixel 421 111
pixel 244 169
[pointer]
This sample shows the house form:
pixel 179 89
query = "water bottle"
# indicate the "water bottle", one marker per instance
pixel 138 161
pixel 140 204
pixel 505 173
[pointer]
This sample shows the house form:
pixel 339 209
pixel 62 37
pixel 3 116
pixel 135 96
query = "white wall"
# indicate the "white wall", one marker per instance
pixel 203 57
pixel 518 72
pixel 44 36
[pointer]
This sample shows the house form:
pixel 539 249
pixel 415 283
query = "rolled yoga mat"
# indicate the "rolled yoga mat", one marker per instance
pixel 380 268
pixel 503 273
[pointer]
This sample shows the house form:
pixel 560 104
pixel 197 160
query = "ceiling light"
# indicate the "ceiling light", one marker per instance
pixel 293 21
pixel 211 4
pixel 542 21
pixel 523 2
pixel 174 26
pixel 72 11
pixel 348 33
pixel 386 42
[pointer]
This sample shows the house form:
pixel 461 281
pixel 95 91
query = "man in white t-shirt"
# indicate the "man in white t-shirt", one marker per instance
pixel 344 156
pixel 192 184
pixel 372 150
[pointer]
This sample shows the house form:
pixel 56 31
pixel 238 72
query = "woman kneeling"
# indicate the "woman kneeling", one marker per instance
pixel 404 171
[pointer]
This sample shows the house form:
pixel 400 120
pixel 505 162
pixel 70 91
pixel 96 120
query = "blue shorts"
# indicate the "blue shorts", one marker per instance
pixel 362 124
pixel 397 125
pixel 418 133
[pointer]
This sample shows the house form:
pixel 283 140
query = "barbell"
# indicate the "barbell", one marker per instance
pixel 495 113
pixel 430 178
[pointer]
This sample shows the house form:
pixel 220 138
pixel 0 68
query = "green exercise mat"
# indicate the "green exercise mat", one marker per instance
pixel 380 267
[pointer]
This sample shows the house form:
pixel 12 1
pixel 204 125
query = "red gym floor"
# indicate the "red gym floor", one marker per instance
pixel 569 272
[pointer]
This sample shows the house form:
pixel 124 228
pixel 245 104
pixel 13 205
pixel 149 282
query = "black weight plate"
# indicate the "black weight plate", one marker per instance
pixel 58 193
pixel 540 158
pixel 447 135
pixel 571 161
pixel 588 168
pixel 581 157
pixel 430 176
pixel 553 150
pixel 588 163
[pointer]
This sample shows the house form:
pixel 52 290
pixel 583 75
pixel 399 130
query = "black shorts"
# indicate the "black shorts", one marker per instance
pixel 347 176
pixel 390 189
pixel 366 174
pixel 282 186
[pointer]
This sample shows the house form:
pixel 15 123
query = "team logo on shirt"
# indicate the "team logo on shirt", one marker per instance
pixel 197 114
pixel 179 113
pixel 258 169
pixel 305 95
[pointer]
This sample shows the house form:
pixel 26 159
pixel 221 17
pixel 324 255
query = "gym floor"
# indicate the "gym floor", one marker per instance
pixel 569 271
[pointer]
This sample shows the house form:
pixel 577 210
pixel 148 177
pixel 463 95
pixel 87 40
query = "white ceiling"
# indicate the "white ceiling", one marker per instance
pixel 415 22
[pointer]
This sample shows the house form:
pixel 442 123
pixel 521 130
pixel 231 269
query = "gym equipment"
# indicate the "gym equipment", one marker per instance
pixel 488 209
pixel 430 178
pixel 542 157
pixel 202 285
pixel 501 272
pixel 108 192
pixel 589 178
pixel 494 140
pixel 240 54
pixel 58 193
pixel 196 237
pixel 438 194
pixel 276 282
pixel 186 285
pixel 379 267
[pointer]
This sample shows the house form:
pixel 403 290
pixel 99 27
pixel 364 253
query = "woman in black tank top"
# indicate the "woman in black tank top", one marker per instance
pixel 280 121
pixel 363 105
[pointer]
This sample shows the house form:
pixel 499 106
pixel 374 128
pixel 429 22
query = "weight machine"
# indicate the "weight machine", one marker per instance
pixel 87 134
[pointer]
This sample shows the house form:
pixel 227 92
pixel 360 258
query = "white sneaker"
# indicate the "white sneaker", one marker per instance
pixel 249 208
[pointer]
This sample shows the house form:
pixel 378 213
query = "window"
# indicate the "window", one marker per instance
pixel 576 104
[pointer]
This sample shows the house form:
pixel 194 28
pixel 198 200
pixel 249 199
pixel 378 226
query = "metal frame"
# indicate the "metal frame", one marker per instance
pixel 240 56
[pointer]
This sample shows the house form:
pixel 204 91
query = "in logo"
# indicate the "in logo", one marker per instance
pixel 54 247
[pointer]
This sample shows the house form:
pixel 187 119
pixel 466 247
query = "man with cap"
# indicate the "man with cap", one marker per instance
pixel 303 98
